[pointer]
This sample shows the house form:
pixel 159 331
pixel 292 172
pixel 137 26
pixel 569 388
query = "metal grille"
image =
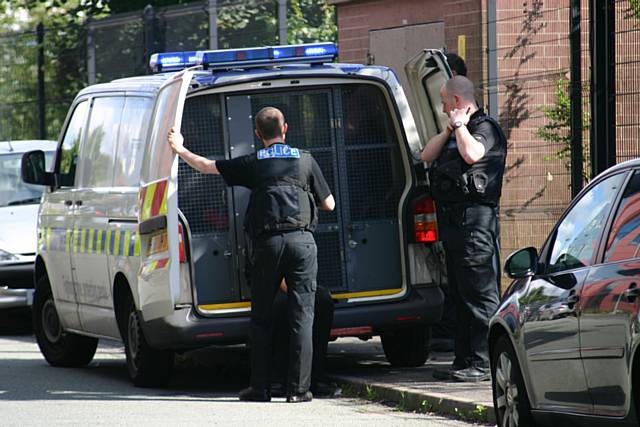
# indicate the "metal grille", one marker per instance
pixel 330 263
pixel 376 181
pixel 18 111
pixel 202 198
pixel 627 90
pixel 374 167
pixel 184 28
pixel 119 48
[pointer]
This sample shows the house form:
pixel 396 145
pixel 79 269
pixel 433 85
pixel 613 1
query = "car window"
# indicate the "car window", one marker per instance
pixel 98 152
pixel 13 190
pixel 624 237
pixel 578 232
pixel 133 131
pixel 71 145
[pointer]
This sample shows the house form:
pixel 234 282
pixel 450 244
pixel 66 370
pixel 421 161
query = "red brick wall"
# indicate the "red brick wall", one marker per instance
pixel 357 18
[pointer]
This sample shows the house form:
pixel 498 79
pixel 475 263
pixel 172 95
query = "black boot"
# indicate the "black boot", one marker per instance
pixel 252 395
pixel 300 397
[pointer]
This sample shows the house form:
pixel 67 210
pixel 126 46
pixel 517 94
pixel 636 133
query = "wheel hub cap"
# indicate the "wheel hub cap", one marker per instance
pixel 50 321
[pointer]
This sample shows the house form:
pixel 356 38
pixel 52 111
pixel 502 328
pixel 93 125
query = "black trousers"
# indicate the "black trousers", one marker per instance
pixel 322 322
pixel 470 234
pixel 292 256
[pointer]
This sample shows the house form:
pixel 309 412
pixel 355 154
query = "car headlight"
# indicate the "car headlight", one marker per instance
pixel 7 256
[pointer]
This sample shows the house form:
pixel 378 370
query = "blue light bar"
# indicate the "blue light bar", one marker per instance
pixel 172 61
pixel 272 55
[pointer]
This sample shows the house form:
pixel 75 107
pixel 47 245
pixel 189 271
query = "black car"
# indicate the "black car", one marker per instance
pixel 564 340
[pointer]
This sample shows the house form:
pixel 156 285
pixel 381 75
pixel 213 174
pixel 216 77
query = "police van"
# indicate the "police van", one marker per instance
pixel 135 245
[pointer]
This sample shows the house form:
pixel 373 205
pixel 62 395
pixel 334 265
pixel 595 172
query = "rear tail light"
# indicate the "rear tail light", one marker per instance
pixel 183 256
pixel 425 228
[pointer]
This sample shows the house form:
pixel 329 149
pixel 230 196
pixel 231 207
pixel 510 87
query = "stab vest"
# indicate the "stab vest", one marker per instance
pixel 453 180
pixel 282 199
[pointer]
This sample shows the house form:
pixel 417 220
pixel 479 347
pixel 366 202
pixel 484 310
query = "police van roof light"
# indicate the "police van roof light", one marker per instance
pixel 172 61
pixel 242 58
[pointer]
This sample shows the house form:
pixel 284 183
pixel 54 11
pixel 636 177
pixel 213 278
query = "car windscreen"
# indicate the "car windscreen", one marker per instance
pixel 13 191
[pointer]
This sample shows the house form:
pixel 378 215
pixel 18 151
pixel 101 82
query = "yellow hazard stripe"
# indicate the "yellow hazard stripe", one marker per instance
pixel 83 235
pixel 163 204
pixel 92 233
pixel 136 245
pixel 127 243
pixel 116 245
pixel 99 242
pixel 367 294
pixel 148 201
pixel 247 304
pixel 68 236
pixel 227 306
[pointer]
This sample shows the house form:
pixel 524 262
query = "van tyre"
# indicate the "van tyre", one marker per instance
pixel 59 348
pixel 510 398
pixel 148 367
pixel 406 347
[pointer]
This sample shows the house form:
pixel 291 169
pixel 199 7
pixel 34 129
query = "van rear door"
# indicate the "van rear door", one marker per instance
pixel 159 276
pixel 427 72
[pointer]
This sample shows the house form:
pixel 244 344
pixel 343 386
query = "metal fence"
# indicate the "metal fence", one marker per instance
pixel 42 70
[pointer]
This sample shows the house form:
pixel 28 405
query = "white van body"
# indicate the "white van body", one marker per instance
pixel 19 204
pixel 135 245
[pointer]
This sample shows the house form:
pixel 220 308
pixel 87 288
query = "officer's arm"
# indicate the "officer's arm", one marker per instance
pixel 469 147
pixel 202 164
pixel 434 146
pixel 328 204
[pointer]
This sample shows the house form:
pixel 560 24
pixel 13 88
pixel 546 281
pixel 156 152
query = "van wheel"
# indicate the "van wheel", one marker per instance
pixel 407 347
pixel 148 367
pixel 510 398
pixel 60 348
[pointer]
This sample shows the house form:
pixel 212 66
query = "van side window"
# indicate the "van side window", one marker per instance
pixel 99 149
pixel 133 132
pixel 71 145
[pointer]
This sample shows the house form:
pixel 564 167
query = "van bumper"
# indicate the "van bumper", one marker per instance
pixel 17 276
pixel 421 306
pixel 185 329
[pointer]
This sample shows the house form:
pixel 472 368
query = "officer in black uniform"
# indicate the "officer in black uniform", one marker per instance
pixel 286 186
pixel 322 322
pixel 466 166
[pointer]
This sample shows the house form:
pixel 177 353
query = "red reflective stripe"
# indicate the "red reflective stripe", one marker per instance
pixel 157 198
pixel 345 332
pixel 162 263
pixel 142 195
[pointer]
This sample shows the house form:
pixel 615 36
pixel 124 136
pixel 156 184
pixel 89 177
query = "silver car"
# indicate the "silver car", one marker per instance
pixel 19 203
pixel 564 340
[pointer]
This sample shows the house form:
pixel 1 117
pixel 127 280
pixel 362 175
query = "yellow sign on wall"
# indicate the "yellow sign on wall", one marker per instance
pixel 462 46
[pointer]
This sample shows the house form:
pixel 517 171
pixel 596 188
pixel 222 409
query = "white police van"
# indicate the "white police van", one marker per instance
pixel 137 246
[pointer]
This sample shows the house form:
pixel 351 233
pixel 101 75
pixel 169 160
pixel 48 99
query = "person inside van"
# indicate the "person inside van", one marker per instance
pixel 322 322
pixel 286 187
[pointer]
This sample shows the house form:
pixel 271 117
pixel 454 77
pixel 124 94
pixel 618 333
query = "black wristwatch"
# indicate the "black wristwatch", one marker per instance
pixel 457 124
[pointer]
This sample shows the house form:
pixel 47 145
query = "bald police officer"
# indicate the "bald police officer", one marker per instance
pixel 467 162
pixel 286 186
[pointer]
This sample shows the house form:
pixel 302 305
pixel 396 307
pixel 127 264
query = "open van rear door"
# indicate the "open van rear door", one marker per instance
pixel 427 72
pixel 159 276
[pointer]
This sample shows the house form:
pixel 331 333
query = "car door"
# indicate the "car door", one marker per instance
pixel 609 308
pixel 551 334
pixel 56 218
pixel 159 278
pixel 94 197
pixel 427 72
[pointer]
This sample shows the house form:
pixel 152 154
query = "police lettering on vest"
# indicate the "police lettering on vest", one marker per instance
pixel 281 202
pixel 453 180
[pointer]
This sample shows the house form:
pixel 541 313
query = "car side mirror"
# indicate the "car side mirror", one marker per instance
pixel 33 169
pixel 522 263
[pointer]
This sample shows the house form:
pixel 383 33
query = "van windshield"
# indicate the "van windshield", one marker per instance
pixel 13 191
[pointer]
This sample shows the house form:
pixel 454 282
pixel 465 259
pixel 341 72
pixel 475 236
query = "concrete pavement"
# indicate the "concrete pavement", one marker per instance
pixel 363 368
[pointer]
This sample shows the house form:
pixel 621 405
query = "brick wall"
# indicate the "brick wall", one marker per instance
pixel 357 18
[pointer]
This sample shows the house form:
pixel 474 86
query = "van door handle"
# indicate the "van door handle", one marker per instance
pixel 68 202
pixel 78 202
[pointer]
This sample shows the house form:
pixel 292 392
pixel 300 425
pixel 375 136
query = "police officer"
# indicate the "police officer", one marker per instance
pixel 322 322
pixel 286 186
pixel 467 162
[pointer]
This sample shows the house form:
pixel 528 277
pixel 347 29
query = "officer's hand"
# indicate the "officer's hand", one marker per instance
pixel 176 141
pixel 283 286
pixel 460 115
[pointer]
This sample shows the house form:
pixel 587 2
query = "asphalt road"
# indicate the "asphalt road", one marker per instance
pixel 203 392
